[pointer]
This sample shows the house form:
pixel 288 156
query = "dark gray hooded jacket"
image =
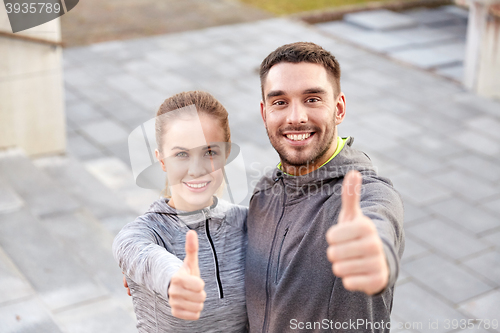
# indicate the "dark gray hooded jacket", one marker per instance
pixel 290 286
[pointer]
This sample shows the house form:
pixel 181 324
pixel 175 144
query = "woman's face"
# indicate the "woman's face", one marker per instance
pixel 194 156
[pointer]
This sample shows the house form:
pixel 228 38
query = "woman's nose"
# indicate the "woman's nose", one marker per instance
pixel 197 167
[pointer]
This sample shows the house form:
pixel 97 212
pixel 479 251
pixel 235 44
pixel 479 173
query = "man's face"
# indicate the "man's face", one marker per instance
pixel 301 112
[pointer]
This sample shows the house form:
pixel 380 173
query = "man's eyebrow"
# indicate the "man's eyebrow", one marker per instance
pixel 275 93
pixel 316 90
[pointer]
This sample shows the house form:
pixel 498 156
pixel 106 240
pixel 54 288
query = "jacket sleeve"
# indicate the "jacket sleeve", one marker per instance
pixel 138 254
pixel 383 205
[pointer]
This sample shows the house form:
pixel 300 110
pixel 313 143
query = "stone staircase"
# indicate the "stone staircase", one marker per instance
pixel 57 223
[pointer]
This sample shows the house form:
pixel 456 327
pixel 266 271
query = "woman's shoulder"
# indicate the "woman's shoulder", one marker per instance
pixel 234 213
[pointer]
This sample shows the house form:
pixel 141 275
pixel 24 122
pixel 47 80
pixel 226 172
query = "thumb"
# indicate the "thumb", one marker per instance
pixel 191 259
pixel 351 188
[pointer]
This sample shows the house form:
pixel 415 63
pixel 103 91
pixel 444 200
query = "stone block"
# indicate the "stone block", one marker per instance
pixel 484 307
pixel 420 37
pixel 90 243
pixel 102 316
pixel 40 194
pixel 90 192
pixel 478 142
pixel 82 148
pixel 415 160
pixel 493 205
pixel 374 40
pixel 52 271
pixel 105 132
pixel 13 285
pixel 28 316
pixel 414 213
pixel 431 57
pixel 477 166
pixel 433 144
pixel 466 186
pixel 413 249
pixel 381 20
pixel 446 238
pixel 431 16
pixel 488 125
pixel 417 306
pixel 455 72
pixel 467 215
pixel 82 112
pixel 446 279
pixel 418 189
pixel 9 200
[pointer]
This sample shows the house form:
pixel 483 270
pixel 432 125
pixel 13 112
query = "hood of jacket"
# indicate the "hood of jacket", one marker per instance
pixel 192 220
pixel 346 160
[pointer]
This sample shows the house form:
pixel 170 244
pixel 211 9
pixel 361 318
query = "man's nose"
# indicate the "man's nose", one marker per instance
pixel 297 113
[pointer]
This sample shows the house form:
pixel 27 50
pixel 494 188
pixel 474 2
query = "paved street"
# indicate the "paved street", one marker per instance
pixel 439 143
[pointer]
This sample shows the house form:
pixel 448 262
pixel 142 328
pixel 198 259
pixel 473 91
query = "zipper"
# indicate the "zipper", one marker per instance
pixel 217 271
pixel 265 327
pixel 279 255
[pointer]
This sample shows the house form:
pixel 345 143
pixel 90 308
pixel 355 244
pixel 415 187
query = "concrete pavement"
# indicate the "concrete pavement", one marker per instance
pixel 439 143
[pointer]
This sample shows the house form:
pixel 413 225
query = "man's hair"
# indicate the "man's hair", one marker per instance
pixel 302 52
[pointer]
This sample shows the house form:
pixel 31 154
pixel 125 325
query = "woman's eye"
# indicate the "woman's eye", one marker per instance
pixel 181 154
pixel 211 153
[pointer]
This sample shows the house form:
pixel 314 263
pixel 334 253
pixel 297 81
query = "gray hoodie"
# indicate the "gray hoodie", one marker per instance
pixel 290 286
pixel 151 249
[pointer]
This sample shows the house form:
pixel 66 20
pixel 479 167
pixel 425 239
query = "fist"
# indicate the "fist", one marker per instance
pixel 354 246
pixel 186 293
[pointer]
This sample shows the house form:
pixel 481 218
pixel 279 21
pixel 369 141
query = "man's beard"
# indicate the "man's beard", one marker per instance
pixel 291 158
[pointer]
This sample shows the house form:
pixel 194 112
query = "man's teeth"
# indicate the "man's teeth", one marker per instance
pixel 298 137
pixel 200 185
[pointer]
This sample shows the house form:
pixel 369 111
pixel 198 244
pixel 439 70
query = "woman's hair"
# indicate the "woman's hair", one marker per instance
pixel 204 103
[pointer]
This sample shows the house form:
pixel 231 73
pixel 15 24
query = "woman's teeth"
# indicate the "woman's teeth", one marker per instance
pixel 200 185
pixel 298 137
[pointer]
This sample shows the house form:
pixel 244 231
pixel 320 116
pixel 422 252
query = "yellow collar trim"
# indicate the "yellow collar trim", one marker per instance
pixel 340 144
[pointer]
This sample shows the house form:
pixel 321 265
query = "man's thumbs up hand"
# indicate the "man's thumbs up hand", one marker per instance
pixel 186 293
pixel 355 248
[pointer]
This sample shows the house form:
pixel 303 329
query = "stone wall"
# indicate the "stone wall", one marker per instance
pixel 31 88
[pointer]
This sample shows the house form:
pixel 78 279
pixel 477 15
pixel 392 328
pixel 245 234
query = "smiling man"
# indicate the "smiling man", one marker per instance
pixel 324 242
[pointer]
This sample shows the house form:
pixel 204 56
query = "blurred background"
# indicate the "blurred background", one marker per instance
pixel 422 85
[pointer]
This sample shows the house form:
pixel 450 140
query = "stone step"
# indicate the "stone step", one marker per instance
pixel 23 180
pixel 89 192
pixel 46 263
pixel 56 263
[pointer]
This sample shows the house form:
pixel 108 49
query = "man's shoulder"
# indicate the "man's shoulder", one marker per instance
pixel 266 181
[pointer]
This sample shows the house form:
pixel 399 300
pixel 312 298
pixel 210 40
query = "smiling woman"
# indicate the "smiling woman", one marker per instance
pixel 179 285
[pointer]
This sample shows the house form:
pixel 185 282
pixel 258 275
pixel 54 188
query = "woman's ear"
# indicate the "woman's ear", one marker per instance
pixel 158 157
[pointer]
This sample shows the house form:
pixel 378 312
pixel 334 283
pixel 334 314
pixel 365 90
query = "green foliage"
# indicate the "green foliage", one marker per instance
pixel 284 7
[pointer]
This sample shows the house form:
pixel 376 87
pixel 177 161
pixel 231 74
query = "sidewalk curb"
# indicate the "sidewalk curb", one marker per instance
pixel 333 14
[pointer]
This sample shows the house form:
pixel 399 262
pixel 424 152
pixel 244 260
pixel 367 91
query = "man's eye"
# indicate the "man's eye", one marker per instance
pixel 312 100
pixel 279 103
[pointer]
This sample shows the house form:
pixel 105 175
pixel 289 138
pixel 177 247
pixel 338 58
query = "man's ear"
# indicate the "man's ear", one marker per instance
pixel 340 108
pixel 157 154
pixel 263 111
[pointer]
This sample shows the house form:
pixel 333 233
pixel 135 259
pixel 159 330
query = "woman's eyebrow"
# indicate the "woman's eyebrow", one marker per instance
pixel 211 146
pixel 180 148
